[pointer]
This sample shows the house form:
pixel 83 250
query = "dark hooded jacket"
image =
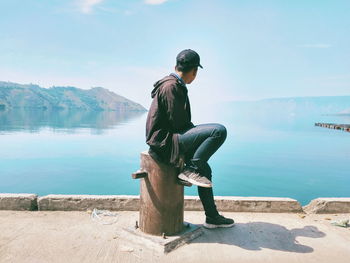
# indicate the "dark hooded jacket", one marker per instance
pixel 169 115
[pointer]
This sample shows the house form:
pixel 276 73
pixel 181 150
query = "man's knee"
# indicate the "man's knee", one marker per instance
pixel 220 131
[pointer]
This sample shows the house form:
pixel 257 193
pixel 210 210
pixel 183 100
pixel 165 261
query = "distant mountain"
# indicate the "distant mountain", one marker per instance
pixel 13 95
pixel 297 105
pixel 347 112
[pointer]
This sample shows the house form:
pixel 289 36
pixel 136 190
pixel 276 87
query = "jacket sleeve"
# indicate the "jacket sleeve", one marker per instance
pixel 174 104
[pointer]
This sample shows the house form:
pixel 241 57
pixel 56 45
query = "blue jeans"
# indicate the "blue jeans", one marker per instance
pixel 198 144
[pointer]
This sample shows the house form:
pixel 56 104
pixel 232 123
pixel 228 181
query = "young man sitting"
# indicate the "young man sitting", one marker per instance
pixel 175 140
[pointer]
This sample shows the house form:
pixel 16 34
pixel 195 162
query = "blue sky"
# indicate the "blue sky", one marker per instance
pixel 249 49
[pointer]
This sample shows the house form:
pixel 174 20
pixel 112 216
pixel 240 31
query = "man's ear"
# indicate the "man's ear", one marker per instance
pixel 195 71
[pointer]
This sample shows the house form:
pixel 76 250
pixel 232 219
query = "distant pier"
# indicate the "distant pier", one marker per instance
pixel 343 127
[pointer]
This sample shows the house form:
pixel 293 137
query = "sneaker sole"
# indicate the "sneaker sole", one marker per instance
pixel 185 178
pixel 183 182
pixel 211 226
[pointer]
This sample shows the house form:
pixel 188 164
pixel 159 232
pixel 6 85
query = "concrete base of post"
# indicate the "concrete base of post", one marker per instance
pixel 161 244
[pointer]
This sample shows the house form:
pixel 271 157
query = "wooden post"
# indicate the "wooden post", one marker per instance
pixel 161 198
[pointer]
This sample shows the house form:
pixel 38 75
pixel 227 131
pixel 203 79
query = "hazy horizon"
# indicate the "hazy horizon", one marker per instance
pixel 225 101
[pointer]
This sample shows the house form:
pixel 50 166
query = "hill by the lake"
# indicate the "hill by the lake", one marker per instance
pixel 19 96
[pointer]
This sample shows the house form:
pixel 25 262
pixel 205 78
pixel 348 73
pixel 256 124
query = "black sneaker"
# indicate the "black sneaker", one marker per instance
pixel 218 221
pixel 195 178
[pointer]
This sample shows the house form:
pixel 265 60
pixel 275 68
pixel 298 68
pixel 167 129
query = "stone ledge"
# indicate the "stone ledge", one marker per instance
pixel 192 203
pixel 18 201
pixel 84 202
pixel 328 206
pixel 247 204
pixel 9 201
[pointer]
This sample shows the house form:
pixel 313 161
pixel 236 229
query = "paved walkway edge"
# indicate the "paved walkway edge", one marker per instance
pixel 192 203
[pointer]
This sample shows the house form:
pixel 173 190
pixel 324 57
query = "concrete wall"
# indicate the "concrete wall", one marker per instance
pixel 192 203
pixel 84 202
pixel 18 201
pixel 247 204
pixel 328 206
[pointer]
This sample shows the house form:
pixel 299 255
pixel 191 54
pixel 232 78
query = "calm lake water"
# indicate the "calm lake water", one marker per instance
pixel 95 153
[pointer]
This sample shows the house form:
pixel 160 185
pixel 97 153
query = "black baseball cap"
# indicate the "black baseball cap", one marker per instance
pixel 188 58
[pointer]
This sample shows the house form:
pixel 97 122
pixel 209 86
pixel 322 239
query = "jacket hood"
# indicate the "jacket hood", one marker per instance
pixel 159 83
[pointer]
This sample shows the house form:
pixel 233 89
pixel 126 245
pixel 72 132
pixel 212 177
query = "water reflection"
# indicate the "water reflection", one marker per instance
pixel 63 120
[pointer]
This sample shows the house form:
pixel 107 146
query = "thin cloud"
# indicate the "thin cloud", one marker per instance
pixel 86 6
pixel 320 45
pixel 128 12
pixel 155 2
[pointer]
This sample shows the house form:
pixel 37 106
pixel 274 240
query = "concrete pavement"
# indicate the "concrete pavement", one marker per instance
pixel 58 236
